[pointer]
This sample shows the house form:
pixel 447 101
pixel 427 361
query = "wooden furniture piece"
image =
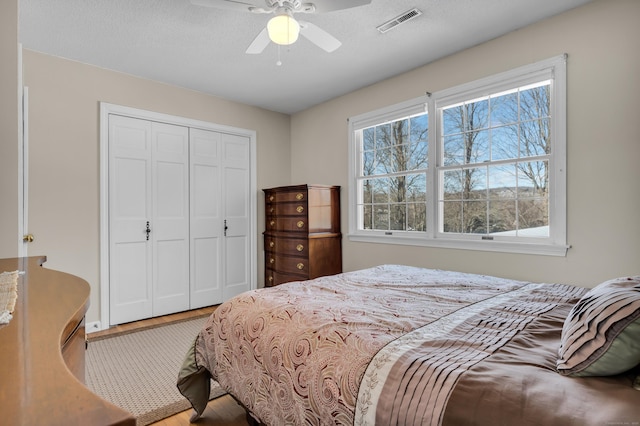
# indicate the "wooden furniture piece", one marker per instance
pixel 302 238
pixel 42 353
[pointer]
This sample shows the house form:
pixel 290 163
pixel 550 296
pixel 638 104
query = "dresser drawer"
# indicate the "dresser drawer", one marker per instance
pixel 287 209
pixel 273 278
pixel 292 246
pixel 284 196
pixel 289 224
pixel 288 264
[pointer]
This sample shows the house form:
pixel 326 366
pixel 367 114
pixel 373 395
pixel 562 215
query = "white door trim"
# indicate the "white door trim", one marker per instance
pixel 105 110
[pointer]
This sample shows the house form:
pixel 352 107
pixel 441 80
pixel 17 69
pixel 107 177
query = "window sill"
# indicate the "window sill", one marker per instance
pixel 480 245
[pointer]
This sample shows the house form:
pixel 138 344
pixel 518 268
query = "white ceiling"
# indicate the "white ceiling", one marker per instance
pixel 201 48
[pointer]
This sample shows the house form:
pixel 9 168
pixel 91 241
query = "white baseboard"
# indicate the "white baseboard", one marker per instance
pixel 93 326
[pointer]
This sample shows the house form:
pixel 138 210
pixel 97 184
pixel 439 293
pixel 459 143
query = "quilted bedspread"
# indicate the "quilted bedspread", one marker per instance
pixel 384 345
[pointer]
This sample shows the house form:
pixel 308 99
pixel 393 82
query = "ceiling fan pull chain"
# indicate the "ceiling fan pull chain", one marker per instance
pixel 279 62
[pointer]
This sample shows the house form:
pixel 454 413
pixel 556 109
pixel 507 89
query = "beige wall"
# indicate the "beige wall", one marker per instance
pixel 8 128
pixel 64 158
pixel 603 177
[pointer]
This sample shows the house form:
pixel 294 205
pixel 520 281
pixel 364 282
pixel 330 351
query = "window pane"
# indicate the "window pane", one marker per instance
pixel 417 217
pixel 502 181
pixel 454 150
pixel 381 216
pixel 368 158
pixel 453 183
pixel 418 155
pixel 453 120
pixel 384 136
pixel 474 214
pixel 477 115
pixel 502 216
pixel 534 138
pixel 380 190
pixel 452 216
pixel 419 128
pixel 478 150
pixel 398 189
pixel 367 191
pixel 367 218
pixel 504 142
pixel 369 139
pixel 504 109
pixel 533 215
pixel 417 187
pixel 384 161
pixel 400 131
pixel 534 103
pixel 398 217
pixel 532 179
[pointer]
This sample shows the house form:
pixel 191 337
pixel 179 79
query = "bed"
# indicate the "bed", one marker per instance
pixel 403 345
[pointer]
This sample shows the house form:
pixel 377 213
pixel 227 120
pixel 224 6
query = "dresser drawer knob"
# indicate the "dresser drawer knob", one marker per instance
pixel 272 260
pixel 270 279
pixel 271 198
pixel 271 210
pixel 299 196
pixel 299 209
pixel 272 223
pixel 300 266
pixel 300 224
pixel 272 244
pixel 299 247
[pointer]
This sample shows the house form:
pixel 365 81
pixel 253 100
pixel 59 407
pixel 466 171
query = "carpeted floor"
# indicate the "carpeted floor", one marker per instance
pixel 137 371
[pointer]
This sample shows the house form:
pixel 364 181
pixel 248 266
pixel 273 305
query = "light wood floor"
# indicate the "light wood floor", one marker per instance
pixel 223 411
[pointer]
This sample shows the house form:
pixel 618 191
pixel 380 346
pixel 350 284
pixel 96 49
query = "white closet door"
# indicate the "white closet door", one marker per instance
pixel 130 208
pixel 236 189
pixel 170 218
pixel 206 220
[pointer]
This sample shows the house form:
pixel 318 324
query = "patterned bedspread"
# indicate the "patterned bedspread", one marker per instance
pixel 385 345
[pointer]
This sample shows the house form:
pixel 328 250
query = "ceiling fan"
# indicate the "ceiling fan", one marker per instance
pixel 283 28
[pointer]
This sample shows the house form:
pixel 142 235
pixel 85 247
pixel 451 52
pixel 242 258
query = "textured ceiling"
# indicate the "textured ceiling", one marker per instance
pixel 202 48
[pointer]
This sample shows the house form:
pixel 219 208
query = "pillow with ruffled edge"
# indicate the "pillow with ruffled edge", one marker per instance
pixel 601 335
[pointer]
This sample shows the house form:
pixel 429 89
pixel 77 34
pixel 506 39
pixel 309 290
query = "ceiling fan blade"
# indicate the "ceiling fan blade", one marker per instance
pixel 318 36
pixel 259 43
pixel 227 4
pixel 329 5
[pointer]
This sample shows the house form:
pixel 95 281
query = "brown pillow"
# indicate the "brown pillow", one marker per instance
pixel 601 335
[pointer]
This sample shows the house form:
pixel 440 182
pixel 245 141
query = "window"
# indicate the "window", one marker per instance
pixel 479 166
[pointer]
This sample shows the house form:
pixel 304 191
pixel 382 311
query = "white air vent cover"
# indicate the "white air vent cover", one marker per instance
pixel 406 16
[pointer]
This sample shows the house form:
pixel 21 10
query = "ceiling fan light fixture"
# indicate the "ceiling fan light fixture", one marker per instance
pixel 283 29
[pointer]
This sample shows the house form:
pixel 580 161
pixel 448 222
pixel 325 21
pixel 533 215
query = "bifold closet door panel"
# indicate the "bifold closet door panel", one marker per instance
pixel 206 218
pixel 130 253
pixel 170 218
pixel 236 207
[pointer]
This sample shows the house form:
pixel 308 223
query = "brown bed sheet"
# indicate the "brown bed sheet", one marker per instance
pixel 518 385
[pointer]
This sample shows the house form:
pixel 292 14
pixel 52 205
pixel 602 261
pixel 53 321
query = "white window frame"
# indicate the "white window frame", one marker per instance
pixel 553 69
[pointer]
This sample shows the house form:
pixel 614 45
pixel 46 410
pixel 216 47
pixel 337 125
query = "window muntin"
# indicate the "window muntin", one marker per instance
pixel 493 175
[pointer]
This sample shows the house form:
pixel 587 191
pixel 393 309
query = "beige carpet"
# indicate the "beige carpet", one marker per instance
pixel 138 371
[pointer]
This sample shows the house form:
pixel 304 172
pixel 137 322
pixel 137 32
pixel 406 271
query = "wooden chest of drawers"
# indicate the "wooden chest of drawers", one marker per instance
pixel 302 238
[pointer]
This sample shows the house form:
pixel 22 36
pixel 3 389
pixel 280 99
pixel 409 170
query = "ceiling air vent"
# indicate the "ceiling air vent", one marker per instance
pixel 406 16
